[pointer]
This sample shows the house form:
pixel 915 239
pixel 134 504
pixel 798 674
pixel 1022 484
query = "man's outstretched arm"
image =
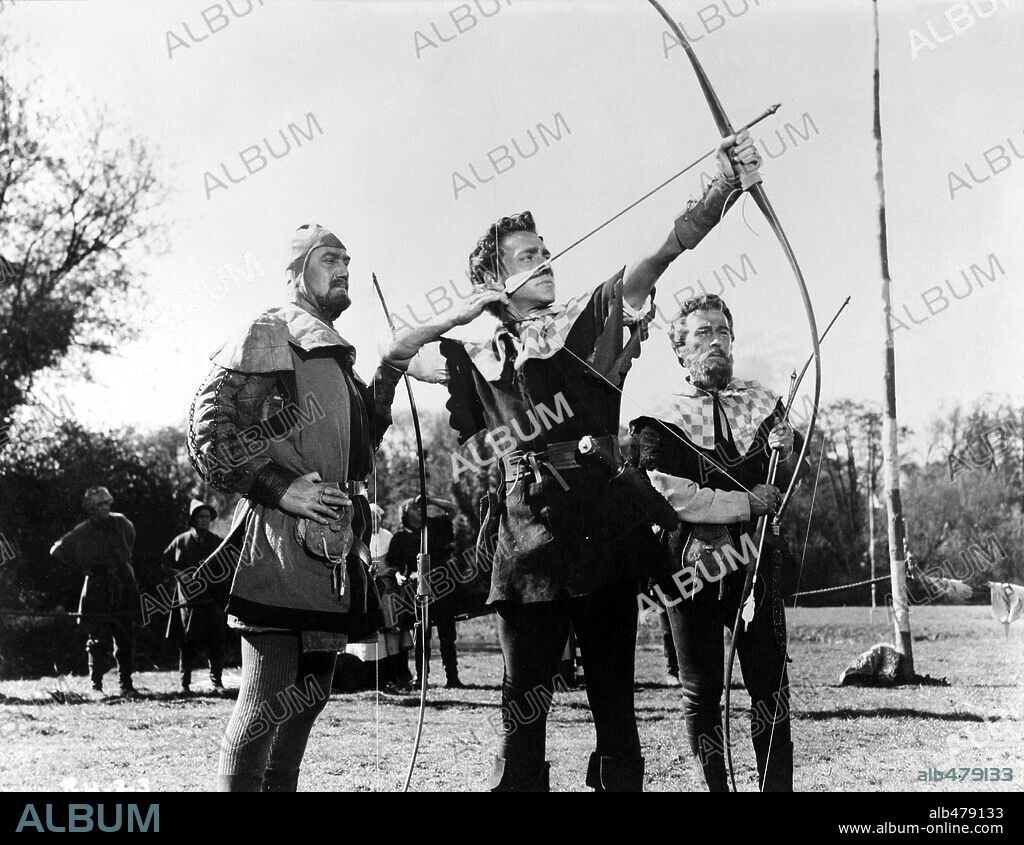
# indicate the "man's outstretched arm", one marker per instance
pixel 699 218
pixel 405 346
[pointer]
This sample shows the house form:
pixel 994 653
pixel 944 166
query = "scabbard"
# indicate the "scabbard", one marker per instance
pixel 649 500
pixel 636 484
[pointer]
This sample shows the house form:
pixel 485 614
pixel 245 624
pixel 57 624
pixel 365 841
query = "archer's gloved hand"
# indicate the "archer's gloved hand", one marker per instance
pixel 781 439
pixel 764 499
pixel 739 160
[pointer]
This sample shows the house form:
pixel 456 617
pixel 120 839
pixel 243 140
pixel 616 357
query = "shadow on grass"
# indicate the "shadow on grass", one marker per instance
pixel 61 697
pixel 479 647
pixel 890 713
pixel 441 703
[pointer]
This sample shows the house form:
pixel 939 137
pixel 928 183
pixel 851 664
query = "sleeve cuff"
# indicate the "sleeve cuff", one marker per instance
pixel 270 485
pixel 743 505
pixel 429 365
pixel 644 314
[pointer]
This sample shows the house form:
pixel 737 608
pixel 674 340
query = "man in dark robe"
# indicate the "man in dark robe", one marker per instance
pixel 101 549
pixel 196 623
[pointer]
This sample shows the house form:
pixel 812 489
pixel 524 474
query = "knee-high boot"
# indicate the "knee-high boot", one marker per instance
pixel 280 781
pixel 779 765
pixel 507 776
pixel 238 783
pixel 615 774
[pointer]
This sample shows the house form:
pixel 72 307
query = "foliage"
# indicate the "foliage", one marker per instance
pixel 961 501
pixel 76 212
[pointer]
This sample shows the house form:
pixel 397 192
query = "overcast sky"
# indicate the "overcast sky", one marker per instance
pixel 405 109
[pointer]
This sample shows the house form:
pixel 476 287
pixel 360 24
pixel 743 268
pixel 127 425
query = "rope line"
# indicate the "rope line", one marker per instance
pixel 841 587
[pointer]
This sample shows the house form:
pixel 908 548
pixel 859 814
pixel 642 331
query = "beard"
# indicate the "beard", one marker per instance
pixel 711 372
pixel 333 303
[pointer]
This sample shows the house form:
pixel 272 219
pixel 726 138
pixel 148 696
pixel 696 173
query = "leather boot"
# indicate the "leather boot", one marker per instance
pixel 450 661
pixel 238 783
pixel 274 781
pixel 712 768
pixel 615 774
pixel 779 777
pixel 506 777
pixel 95 675
pixel 671 661
pixel 97 669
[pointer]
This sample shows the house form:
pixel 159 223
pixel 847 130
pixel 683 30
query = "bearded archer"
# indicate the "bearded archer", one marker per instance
pixel 709 456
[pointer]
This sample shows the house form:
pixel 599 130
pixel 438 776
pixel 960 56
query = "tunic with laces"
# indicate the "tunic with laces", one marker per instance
pixel 574 533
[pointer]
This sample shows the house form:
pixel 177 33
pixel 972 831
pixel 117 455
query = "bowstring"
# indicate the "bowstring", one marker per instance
pixel 376 673
pixel 799 575
pixel 519 318
pixel 743 216
pixel 376 695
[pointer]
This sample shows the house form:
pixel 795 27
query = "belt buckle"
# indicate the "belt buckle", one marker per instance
pixel 514 468
pixel 536 460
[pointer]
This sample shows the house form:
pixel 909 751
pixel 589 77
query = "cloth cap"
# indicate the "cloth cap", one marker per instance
pixel 93 496
pixel 306 238
pixel 197 506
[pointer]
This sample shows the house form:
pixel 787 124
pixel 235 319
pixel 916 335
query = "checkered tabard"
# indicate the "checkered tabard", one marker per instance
pixel 746 404
pixel 541 335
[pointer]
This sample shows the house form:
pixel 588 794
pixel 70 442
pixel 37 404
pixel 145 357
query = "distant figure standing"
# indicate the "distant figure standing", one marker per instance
pixel 405 545
pixel 196 622
pixel 101 548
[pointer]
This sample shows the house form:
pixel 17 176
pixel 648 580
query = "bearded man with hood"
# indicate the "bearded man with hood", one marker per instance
pixel 195 620
pixel 285 421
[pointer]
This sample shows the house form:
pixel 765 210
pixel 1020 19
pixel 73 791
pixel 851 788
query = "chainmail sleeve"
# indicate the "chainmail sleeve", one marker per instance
pixel 227 440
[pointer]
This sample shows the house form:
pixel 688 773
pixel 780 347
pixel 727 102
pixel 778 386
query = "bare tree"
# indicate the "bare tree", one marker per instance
pixel 76 213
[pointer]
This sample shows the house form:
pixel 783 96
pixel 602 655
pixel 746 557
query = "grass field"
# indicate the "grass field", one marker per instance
pixel 847 739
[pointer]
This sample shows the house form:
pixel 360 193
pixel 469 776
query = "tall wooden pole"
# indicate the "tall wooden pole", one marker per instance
pixel 871 519
pixel 890 428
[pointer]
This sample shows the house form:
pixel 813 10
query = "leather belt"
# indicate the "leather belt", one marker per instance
pixel 555 457
pixel 356 488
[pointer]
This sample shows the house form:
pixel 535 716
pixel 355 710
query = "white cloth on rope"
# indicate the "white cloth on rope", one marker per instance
pixel 1007 602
